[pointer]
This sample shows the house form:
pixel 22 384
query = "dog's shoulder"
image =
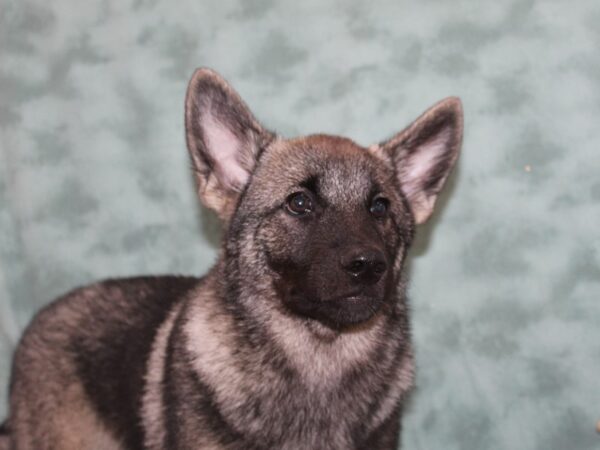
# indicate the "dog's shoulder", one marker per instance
pixel 100 337
pixel 111 303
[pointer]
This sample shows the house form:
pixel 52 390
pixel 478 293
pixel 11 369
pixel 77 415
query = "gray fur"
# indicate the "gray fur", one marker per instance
pixel 298 338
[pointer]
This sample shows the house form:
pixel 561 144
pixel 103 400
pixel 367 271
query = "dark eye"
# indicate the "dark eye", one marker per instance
pixel 299 204
pixel 379 207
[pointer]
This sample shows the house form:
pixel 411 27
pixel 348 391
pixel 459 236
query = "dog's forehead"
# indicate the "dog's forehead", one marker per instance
pixel 341 169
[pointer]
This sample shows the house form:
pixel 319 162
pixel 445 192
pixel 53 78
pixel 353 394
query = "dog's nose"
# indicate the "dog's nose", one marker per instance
pixel 364 265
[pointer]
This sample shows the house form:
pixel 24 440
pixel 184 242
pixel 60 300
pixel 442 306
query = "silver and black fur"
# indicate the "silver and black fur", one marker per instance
pixel 298 338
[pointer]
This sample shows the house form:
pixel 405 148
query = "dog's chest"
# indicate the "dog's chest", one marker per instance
pixel 299 398
pixel 285 413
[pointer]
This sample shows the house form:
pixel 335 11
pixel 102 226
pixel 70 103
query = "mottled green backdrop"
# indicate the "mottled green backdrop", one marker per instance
pixel 95 180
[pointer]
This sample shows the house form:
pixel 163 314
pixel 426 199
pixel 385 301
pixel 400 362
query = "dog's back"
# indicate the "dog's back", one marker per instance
pixel 80 367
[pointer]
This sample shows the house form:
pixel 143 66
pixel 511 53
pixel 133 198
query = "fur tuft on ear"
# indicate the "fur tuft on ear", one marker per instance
pixel 424 153
pixel 223 138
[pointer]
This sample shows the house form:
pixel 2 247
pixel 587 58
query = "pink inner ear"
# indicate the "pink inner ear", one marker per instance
pixel 224 146
pixel 417 167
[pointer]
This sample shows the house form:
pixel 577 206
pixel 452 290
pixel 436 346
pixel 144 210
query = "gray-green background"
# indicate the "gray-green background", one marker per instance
pixel 95 180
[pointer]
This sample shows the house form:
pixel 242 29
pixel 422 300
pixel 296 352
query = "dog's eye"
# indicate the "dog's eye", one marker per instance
pixel 299 204
pixel 379 207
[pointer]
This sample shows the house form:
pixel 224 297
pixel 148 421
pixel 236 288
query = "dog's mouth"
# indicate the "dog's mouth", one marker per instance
pixel 338 312
pixel 351 310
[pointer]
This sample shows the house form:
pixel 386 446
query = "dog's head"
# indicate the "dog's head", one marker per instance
pixel 320 220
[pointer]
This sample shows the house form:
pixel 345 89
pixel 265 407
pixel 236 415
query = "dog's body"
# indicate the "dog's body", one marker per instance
pixel 298 338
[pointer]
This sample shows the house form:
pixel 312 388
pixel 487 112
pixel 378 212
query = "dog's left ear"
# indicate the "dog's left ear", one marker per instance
pixel 424 154
pixel 223 138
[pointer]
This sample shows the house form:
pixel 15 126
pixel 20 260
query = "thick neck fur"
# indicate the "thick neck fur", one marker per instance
pixel 328 380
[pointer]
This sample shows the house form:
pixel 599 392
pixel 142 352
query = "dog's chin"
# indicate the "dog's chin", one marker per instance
pixel 338 313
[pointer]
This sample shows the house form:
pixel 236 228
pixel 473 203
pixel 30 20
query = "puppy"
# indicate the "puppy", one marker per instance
pixel 297 338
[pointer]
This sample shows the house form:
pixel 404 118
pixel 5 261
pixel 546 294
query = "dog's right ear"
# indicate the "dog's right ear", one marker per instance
pixel 223 138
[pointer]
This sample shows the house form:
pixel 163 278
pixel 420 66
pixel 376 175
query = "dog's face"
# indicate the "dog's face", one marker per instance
pixel 333 226
pixel 327 221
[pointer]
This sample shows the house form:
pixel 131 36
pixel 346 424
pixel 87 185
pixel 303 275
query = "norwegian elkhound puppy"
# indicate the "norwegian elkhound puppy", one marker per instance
pixel 298 338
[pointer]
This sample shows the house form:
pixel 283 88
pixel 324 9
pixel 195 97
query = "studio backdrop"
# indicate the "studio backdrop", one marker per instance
pixel 95 179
